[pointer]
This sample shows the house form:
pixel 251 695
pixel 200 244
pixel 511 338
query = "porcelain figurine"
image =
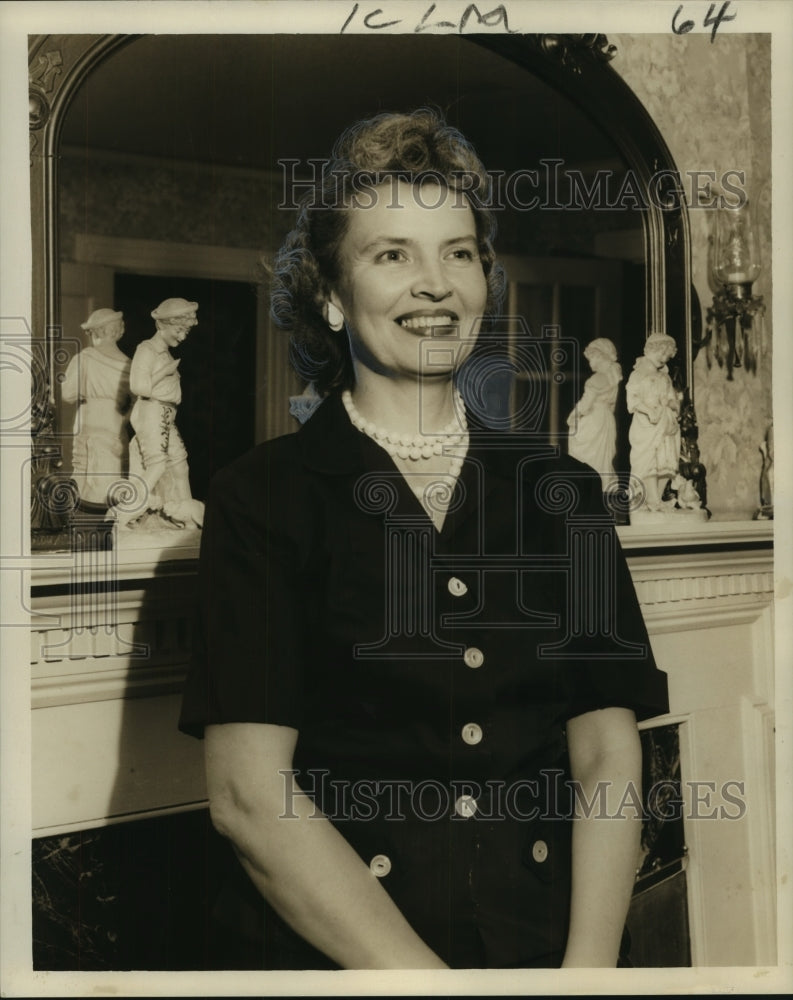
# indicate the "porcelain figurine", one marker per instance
pixel 593 426
pixel 97 380
pixel 158 458
pixel 685 492
pixel 655 432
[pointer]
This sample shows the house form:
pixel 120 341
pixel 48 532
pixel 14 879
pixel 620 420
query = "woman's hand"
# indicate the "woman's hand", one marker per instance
pixel 605 754
pixel 297 859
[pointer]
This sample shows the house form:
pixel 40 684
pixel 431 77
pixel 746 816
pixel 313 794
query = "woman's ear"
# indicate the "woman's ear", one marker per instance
pixel 332 314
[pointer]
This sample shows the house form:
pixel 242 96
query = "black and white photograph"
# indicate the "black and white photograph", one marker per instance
pixel 396 570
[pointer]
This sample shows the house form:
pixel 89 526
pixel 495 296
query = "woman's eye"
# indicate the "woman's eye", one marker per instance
pixel 389 256
pixel 461 254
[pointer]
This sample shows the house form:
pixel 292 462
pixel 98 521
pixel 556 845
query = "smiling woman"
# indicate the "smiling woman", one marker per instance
pixel 378 755
pixel 166 164
pixel 405 259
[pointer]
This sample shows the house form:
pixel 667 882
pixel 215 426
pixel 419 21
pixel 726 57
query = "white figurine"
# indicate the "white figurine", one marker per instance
pixel 594 428
pixel 686 496
pixel 655 432
pixel 97 379
pixel 158 456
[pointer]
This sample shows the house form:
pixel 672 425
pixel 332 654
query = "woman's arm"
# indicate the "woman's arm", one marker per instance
pixel 604 747
pixel 297 859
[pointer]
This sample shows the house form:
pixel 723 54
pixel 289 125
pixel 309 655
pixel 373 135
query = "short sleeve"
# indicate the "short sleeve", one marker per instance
pixel 248 659
pixel 613 664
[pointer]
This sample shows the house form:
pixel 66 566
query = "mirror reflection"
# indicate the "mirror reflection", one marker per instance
pixel 181 163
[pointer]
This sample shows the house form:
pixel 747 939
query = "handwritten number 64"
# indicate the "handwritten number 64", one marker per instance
pixel 686 26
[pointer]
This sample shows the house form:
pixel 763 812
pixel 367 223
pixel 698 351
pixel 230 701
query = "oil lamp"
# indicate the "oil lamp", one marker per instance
pixel 734 333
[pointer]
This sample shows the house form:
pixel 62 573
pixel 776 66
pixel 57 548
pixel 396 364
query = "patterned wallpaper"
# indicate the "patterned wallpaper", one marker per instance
pixel 114 197
pixel 711 102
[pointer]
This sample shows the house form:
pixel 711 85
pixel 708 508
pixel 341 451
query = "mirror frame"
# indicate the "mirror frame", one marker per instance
pixel 576 65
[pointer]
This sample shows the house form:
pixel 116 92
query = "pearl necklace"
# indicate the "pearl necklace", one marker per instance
pixel 416 446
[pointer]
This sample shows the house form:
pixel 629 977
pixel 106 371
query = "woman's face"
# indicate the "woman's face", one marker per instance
pixel 412 288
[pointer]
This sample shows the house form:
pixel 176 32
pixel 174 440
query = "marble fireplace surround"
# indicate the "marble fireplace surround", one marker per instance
pixel 107 670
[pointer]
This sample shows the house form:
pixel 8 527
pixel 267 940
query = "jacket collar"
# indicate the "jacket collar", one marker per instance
pixel 329 442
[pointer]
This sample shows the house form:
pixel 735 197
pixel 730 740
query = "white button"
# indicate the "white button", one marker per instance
pixel 456 587
pixel 539 850
pixel 472 734
pixel 465 806
pixel 380 865
pixel 473 657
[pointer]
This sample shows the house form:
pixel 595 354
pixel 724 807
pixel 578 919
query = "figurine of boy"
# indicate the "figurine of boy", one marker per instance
pixel 97 379
pixel 655 432
pixel 157 453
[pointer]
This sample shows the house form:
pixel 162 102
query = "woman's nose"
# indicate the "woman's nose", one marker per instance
pixel 431 283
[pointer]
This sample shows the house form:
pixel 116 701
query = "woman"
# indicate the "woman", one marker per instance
pixel 388 681
pixel 594 430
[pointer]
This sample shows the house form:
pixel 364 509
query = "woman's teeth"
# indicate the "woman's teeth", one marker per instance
pixel 423 322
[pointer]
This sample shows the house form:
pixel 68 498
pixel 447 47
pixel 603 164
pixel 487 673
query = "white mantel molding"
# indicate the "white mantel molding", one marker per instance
pixel 78 656
pixel 697 535
pixel 685 579
pixel 141 563
pixel 52 569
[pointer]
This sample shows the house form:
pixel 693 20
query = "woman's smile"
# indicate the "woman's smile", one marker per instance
pixel 428 321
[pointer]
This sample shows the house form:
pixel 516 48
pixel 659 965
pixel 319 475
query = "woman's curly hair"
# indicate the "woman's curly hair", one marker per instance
pixel 417 147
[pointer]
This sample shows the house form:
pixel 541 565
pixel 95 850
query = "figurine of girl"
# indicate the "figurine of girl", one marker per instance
pixel 97 379
pixel 593 427
pixel 655 432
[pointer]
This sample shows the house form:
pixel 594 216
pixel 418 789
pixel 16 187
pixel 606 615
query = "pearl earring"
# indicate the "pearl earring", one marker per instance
pixel 334 317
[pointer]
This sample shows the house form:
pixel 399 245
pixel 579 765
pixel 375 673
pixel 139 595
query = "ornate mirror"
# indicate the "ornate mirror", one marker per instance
pixel 167 165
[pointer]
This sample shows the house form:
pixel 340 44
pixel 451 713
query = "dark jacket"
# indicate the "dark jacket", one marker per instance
pixel 429 674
